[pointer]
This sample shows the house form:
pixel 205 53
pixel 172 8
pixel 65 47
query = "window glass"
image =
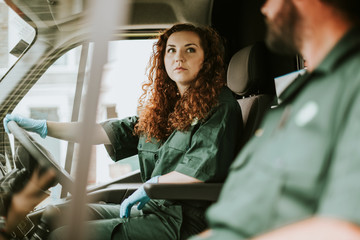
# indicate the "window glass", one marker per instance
pixel 121 88
pixel 52 98
pixel 16 35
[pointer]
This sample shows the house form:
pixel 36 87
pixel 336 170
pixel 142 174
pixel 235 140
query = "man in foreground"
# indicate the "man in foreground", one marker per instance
pixel 298 177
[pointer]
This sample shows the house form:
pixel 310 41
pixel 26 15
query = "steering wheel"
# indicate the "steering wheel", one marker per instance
pixel 43 157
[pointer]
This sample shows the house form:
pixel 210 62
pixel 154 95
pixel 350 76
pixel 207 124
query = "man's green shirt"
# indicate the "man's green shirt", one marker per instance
pixel 304 160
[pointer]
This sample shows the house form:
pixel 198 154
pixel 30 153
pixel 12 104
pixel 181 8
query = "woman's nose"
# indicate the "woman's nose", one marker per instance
pixel 179 57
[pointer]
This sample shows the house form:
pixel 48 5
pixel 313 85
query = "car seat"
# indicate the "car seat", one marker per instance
pixel 250 76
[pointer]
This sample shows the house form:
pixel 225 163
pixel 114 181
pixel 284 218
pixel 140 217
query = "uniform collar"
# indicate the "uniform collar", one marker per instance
pixel 349 43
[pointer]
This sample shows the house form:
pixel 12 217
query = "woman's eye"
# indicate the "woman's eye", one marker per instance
pixel 190 50
pixel 170 50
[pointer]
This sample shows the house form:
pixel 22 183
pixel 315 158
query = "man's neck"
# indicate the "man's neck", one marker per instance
pixel 321 38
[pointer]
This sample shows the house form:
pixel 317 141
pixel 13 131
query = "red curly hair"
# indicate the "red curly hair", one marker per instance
pixel 163 110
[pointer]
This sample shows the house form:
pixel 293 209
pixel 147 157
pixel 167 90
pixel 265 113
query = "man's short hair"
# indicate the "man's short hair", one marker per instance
pixel 351 8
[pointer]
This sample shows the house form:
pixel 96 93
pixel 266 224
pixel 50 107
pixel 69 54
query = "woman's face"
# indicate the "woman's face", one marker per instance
pixel 183 59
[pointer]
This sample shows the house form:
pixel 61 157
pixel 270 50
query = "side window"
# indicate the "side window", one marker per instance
pixel 121 88
pixel 52 98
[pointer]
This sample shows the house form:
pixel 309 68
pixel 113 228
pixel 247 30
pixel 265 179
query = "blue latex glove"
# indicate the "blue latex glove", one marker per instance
pixel 32 125
pixel 139 196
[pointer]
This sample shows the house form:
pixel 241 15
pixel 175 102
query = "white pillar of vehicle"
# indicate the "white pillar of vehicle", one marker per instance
pixel 104 16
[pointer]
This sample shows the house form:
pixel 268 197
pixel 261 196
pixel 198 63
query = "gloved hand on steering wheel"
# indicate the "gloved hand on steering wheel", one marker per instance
pixel 29 124
pixel 139 196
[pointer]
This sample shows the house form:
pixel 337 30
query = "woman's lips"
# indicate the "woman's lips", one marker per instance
pixel 180 69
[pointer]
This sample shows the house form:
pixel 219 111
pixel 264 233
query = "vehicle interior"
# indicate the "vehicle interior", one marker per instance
pixel 81 60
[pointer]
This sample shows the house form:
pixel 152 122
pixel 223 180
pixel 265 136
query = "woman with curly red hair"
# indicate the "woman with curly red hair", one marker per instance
pixel 186 132
pixel 170 107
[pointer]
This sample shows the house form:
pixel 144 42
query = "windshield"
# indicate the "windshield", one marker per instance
pixel 16 35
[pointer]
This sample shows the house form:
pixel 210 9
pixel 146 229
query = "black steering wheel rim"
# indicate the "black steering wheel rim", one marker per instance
pixel 38 152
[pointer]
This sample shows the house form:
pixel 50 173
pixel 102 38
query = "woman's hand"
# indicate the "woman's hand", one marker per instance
pixel 29 124
pixel 139 196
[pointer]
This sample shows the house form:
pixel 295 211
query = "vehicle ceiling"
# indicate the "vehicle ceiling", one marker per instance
pixel 239 21
pixel 145 14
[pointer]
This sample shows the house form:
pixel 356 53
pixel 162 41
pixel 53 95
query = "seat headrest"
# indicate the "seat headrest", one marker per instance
pixel 252 70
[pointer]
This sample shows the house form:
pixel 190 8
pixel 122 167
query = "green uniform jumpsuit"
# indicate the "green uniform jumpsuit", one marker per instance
pixel 304 160
pixel 204 152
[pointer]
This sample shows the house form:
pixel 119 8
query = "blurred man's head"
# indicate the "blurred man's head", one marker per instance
pixel 288 20
pixel 282 19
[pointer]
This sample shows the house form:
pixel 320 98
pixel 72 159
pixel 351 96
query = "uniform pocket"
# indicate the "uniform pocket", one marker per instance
pixel 270 192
